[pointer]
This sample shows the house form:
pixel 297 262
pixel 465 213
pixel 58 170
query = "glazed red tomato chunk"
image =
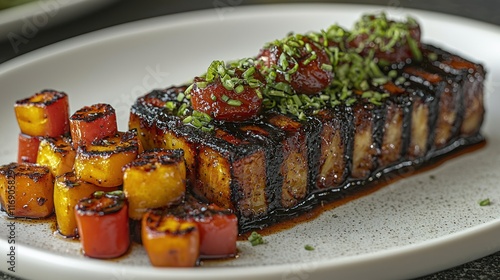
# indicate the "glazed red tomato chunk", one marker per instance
pixel 299 61
pixel 228 92
pixel 391 41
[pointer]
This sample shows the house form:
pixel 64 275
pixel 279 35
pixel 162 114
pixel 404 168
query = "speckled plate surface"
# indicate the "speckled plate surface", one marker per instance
pixel 417 225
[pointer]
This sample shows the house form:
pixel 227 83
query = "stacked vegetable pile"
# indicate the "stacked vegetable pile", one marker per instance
pixel 96 179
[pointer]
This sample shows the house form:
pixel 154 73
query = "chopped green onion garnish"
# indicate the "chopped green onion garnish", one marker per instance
pixel 259 93
pixel 188 89
pixel 239 89
pixel 249 72
pixel 256 239
pixel 170 105
pixel 309 248
pixel 201 84
pixel 432 56
pixel 182 109
pixel 312 57
pixel 485 202
pixel 326 67
pixel 234 102
pixel 400 80
pixel 276 93
pixel 415 51
pixel 180 97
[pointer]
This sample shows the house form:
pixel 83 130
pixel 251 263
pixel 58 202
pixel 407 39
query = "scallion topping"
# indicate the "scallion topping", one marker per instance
pixel 199 120
pixel 256 239
pixel 432 56
pixel 234 102
pixel 309 247
pixel 170 105
pixel 357 73
pixel 385 34
pixel 485 202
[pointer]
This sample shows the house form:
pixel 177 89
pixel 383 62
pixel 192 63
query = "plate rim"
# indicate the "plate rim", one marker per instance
pixel 12 18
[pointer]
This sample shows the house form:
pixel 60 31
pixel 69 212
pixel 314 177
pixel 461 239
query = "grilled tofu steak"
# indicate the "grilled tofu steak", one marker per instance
pixel 281 161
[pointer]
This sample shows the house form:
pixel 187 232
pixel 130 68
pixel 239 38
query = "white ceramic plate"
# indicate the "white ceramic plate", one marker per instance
pixel 24 21
pixel 415 226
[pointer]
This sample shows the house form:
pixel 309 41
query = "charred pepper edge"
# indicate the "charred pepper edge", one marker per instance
pixel 56 96
pixel 93 112
pixel 85 205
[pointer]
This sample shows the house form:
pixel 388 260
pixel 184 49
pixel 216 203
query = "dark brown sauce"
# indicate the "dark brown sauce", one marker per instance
pixel 51 219
pixel 370 188
pixel 58 234
pixel 117 259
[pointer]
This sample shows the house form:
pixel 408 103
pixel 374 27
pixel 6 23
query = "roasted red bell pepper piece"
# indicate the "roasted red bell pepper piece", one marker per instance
pixel 93 122
pixel 218 227
pixel 103 225
pixel 218 232
pixel 43 114
pixel 27 150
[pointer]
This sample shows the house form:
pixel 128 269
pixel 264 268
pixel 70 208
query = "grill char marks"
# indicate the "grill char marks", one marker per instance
pixel 271 139
pixel 368 126
pixel 395 131
pixel 276 167
pixel 423 98
pixel 336 146
pixel 468 78
pixel 295 168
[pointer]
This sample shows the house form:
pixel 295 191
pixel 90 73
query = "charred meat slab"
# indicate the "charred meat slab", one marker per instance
pixel 315 116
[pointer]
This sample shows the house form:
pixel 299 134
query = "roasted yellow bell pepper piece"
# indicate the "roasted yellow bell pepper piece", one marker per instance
pixel 170 241
pixel 68 190
pixel 57 154
pixel 43 114
pixel 157 178
pixel 26 190
pixel 101 162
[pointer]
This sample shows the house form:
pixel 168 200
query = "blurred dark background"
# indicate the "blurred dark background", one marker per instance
pixel 122 11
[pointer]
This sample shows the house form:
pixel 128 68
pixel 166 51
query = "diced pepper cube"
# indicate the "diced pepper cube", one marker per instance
pixel 157 178
pixel 92 123
pixel 26 190
pixel 27 148
pixel 101 162
pixel 57 154
pixel 170 241
pixel 43 114
pixel 103 226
